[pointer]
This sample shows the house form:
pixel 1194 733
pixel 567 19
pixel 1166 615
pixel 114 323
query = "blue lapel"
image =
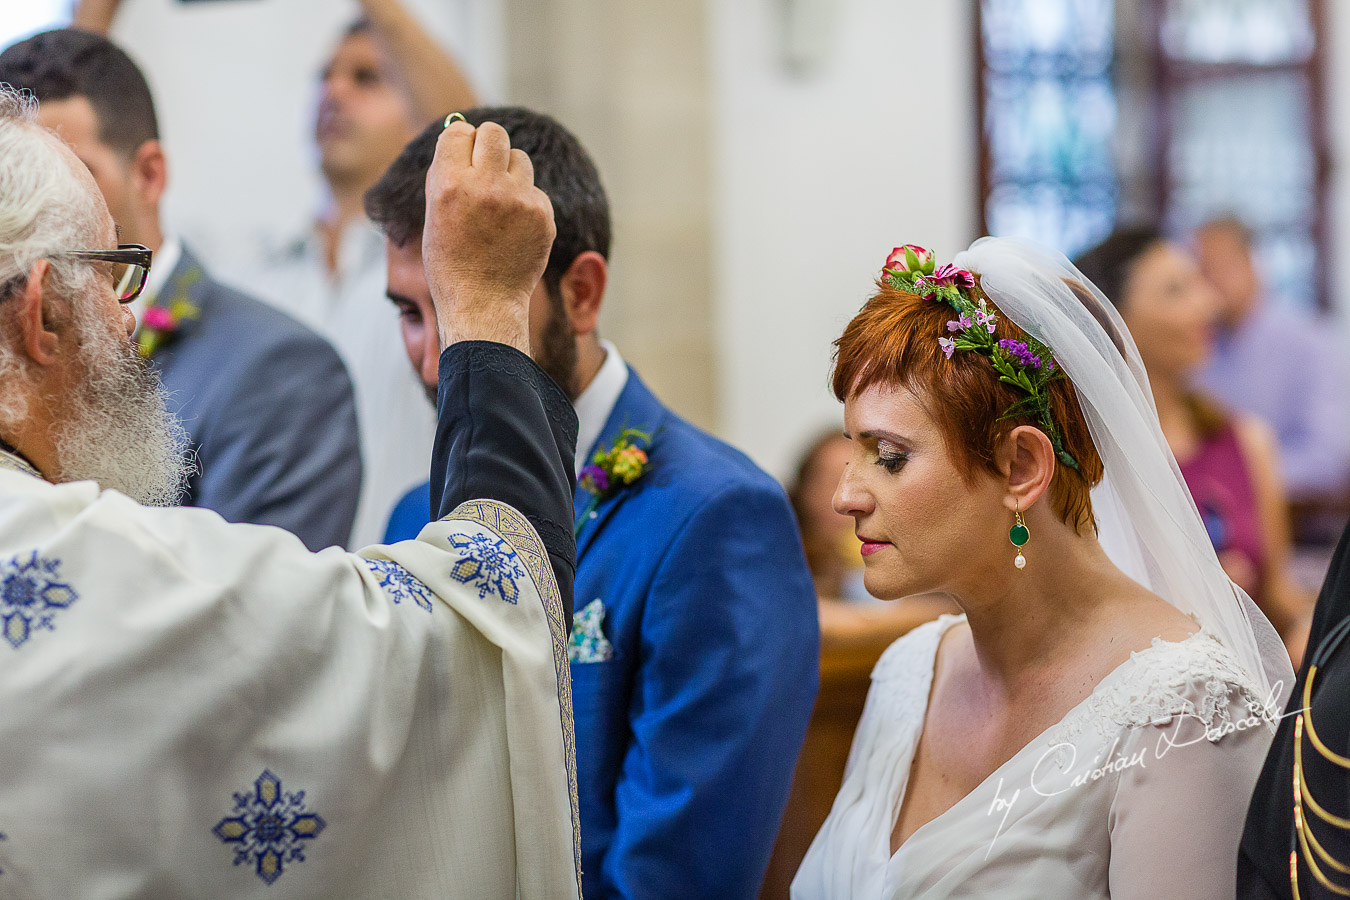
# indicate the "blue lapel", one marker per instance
pixel 637 407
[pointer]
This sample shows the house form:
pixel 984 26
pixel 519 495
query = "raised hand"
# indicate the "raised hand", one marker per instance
pixel 487 237
pixel 94 15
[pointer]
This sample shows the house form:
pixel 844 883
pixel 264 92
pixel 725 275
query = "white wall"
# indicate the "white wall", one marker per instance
pixel 235 86
pixel 818 176
pixel 20 18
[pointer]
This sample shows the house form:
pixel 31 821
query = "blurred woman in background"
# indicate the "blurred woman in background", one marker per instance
pixel 831 547
pixel 1228 459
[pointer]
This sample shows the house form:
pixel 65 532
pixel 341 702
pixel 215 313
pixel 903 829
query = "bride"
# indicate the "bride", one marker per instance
pixel 1094 722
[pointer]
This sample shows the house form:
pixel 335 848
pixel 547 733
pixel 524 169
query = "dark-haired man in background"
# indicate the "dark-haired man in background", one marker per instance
pixel 695 645
pixel 267 402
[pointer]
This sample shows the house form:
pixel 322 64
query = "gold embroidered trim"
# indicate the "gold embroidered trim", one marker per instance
pixel 516 530
pixel 14 463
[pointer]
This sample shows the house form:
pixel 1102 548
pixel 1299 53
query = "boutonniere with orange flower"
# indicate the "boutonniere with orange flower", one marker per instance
pixel 609 470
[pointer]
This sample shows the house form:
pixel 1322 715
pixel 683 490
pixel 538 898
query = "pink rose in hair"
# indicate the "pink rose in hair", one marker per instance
pixel 910 259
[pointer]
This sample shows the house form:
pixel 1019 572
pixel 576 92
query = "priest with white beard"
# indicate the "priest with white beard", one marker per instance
pixel 192 708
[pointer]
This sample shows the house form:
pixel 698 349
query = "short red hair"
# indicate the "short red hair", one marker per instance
pixel 893 340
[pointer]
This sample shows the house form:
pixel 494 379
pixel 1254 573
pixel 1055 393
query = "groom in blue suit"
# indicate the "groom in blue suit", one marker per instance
pixel 695 643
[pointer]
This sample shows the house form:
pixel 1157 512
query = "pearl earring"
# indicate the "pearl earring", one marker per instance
pixel 1019 534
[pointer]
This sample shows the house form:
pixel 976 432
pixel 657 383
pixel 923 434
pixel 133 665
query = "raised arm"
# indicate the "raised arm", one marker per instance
pixel 505 431
pixel 435 83
pixel 95 15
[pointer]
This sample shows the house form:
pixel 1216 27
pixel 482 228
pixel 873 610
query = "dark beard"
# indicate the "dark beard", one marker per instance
pixel 557 353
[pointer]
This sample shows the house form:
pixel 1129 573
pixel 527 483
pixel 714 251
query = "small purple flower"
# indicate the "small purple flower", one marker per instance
pixel 1021 353
pixel 960 324
pixel 951 275
pixel 594 480
pixel 948 346
pixel 986 318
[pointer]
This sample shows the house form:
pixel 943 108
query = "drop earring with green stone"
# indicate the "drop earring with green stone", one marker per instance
pixel 1019 534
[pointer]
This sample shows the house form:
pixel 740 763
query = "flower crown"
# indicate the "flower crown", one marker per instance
pixel 1026 365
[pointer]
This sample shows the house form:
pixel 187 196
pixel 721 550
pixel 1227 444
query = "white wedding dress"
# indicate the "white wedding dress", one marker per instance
pixel 1140 791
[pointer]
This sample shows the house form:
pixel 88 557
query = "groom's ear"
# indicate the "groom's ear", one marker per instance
pixel 583 291
pixel 1027 458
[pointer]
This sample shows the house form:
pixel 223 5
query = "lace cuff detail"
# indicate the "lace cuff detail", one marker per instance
pixel 486 356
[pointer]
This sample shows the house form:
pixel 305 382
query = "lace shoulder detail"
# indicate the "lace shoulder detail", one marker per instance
pixel 902 678
pixel 1198 677
pixel 910 657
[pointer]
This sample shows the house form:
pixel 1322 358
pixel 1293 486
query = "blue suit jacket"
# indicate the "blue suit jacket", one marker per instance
pixel 687 737
pixel 688 734
pixel 269 408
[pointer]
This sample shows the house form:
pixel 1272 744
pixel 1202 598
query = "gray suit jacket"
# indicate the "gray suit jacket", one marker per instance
pixel 269 407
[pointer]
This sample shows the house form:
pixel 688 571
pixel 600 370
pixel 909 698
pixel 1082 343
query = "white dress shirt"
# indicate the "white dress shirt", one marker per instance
pixel 162 263
pixel 353 311
pixel 597 402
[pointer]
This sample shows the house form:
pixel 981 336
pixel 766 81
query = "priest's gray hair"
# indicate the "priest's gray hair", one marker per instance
pixel 44 208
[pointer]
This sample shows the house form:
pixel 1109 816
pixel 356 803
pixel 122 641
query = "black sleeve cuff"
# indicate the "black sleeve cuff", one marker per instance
pixel 505 431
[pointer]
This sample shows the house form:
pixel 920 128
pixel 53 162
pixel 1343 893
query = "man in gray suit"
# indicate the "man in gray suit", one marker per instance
pixel 266 401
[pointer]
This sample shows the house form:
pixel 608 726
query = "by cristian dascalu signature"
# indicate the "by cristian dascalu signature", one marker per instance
pixel 1113 762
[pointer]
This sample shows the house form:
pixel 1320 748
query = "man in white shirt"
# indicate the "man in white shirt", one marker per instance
pixel 192 708
pixel 385 81
pixel 267 402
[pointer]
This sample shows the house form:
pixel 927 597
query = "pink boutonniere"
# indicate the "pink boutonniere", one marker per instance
pixel 160 322
pixel 622 464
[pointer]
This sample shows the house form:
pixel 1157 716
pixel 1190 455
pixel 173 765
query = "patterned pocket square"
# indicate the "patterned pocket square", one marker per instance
pixel 588 643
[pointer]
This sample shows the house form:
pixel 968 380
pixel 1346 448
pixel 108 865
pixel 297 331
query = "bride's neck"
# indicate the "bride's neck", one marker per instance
pixel 1021 620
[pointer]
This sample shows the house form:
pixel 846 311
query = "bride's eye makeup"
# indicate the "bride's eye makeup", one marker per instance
pixel 890 457
pixel 890 454
pixel 892 462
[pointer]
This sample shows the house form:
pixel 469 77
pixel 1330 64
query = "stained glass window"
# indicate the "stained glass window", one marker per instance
pixel 1238 98
pixel 1049 114
pixel 1263 32
pixel 1224 119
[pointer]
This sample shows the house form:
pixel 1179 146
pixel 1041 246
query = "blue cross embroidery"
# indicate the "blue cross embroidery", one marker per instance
pixel 271 827
pixel 399 583
pixel 488 564
pixel 31 594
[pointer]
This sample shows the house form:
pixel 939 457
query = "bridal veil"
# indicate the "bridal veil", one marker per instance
pixel 1147 521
